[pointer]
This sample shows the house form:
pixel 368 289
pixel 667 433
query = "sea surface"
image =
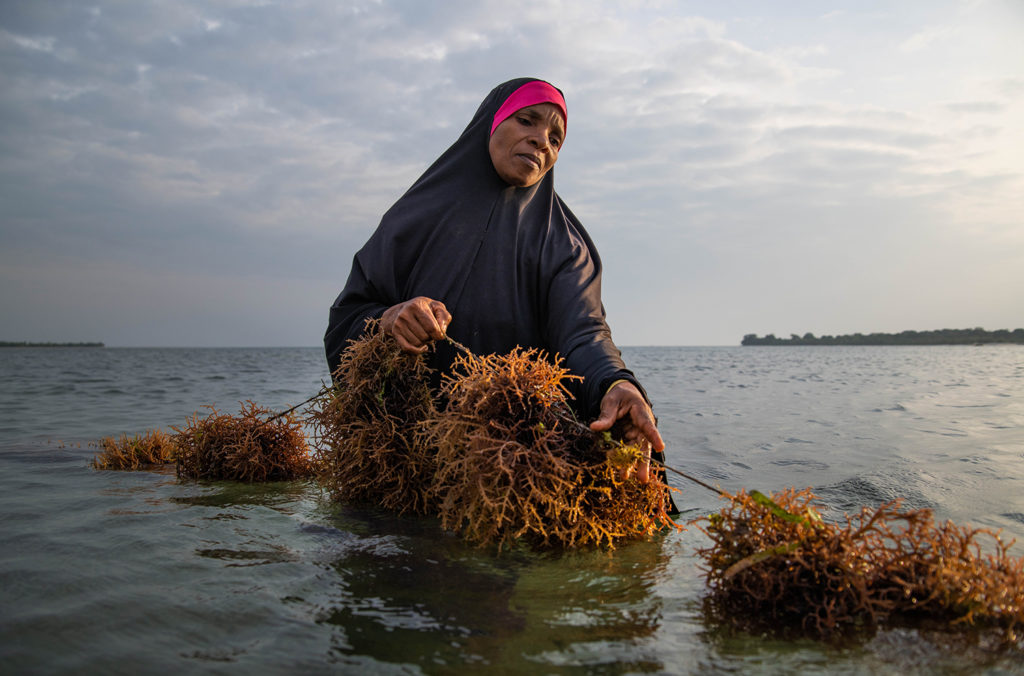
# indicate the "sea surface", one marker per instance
pixel 138 573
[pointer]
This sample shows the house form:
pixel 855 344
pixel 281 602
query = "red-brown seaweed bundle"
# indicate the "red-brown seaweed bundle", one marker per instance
pixel 502 460
pixel 369 427
pixel 514 465
pixel 253 446
pixel 775 563
pixel 141 451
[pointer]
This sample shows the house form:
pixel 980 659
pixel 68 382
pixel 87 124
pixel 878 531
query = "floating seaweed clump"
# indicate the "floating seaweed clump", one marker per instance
pixel 775 563
pixel 369 426
pixel 253 446
pixel 141 451
pixel 514 465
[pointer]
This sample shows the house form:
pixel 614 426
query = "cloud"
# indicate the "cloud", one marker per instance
pixel 926 38
pixel 976 107
pixel 255 145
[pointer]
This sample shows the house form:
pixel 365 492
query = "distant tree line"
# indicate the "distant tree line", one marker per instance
pixel 940 337
pixel 8 343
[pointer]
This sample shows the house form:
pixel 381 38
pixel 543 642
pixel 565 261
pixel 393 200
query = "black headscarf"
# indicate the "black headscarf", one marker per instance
pixel 512 265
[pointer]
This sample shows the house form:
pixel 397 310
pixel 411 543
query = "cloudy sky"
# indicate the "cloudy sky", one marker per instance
pixel 200 173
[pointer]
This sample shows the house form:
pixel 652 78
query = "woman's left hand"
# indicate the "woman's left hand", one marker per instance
pixel 625 401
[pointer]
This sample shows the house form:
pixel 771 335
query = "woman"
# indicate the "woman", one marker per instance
pixel 482 248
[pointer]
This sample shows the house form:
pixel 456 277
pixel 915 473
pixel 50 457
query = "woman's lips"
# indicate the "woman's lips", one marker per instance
pixel 531 160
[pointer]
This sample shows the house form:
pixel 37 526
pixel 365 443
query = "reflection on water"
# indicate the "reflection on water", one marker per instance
pixel 415 595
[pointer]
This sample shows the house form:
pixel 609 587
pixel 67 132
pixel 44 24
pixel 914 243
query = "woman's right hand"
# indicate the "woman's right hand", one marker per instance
pixel 416 322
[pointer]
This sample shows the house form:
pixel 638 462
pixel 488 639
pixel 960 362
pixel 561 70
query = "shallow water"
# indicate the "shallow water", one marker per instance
pixel 115 572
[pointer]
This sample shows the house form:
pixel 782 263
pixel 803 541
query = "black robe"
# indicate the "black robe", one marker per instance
pixel 512 265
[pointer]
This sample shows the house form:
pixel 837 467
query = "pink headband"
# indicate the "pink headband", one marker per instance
pixel 530 94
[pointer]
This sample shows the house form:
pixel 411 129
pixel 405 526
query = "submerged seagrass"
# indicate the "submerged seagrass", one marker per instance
pixel 253 446
pixel 775 563
pixel 369 427
pixel 141 451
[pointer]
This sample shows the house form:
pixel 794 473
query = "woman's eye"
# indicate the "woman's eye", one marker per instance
pixel 525 121
pixel 555 141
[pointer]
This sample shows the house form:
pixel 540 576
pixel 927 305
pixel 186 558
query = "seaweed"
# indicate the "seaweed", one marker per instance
pixel 499 456
pixel 775 563
pixel 253 446
pixel 369 435
pixel 141 451
pixel 495 453
pixel 514 465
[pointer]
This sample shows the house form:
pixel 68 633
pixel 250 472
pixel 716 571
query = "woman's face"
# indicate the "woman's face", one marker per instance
pixel 525 145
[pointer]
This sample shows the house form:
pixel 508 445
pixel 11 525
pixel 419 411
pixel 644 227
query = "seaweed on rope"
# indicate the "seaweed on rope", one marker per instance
pixel 498 455
pixel 369 434
pixel 252 446
pixel 150 449
pixel 774 562
pixel 501 460
pixel 515 466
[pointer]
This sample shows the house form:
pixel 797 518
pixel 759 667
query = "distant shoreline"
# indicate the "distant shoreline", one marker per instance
pixel 976 336
pixel 7 343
